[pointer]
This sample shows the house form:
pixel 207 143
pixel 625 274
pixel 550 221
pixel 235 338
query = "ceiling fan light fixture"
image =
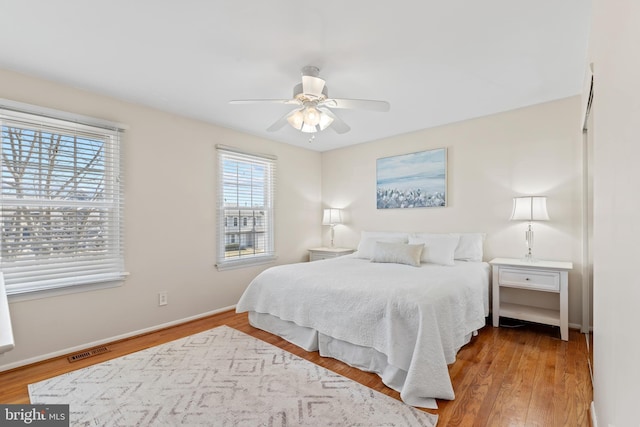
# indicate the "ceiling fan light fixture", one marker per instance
pixel 309 120
pixel 313 107
pixel 325 121
pixel 311 116
pixel 296 120
pixel 307 128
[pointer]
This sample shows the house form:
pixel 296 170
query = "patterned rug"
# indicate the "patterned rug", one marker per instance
pixel 220 377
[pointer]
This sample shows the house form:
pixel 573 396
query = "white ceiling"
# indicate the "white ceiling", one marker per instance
pixel 434 61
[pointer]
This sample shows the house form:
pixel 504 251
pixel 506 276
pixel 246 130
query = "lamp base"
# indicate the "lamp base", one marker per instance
pixel 528 237
pixel 332 235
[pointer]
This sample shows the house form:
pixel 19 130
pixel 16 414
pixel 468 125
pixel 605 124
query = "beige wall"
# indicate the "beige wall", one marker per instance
pixel 170 242
pixel 534 150
pixel 170 224
pixel 616 287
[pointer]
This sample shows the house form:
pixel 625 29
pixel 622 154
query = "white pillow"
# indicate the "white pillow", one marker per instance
pixel 438 248
pixel 368 241
pixel 470 247
pixel 398 253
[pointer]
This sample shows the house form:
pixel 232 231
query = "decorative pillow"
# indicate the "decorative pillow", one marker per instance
pixel 398 253
pixel 368 241
pixel 470 247
pixel 438 248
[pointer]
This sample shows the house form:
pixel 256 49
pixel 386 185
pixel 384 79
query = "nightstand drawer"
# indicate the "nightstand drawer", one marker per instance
pixel 317 254
pixel 530 279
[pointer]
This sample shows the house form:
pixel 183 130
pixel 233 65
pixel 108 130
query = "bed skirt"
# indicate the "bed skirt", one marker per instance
pixel 364 358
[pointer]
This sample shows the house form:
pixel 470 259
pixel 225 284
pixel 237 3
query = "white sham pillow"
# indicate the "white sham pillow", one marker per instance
pixel 368 241
pixel 397 253
pixel 438 248
pixel 470 247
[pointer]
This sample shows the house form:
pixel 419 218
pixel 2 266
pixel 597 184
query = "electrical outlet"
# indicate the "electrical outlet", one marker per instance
pixel 162 298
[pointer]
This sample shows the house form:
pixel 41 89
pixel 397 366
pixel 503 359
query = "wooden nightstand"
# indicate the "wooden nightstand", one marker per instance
pixel 316 254
pixel 543 276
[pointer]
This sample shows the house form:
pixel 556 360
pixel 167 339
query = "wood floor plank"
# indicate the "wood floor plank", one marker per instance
pixel 513 398
pixel 503 377
pixel 578 387
pixel 478 399
pixel 541 411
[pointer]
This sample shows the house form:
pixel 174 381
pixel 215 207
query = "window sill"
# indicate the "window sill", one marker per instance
pixel 73 289
pixel 233 265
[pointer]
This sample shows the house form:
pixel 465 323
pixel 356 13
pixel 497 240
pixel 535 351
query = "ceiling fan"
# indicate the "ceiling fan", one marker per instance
pixel 313 107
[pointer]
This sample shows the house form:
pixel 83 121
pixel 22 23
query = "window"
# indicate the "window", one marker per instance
pixel 61 205
pixel 245 193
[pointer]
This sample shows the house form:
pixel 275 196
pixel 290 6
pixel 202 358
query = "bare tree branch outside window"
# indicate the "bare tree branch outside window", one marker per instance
pixel 61 200
pixel 52 188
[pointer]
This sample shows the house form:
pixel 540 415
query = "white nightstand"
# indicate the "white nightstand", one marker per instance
pixel 543 276
pixel 316 254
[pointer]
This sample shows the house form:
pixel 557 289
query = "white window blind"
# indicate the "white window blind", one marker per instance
pixel 61 202
pixel 246 184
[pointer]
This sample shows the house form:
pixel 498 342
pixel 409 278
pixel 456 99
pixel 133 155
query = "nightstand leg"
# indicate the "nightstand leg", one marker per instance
pixel 495 295
pixel 564 306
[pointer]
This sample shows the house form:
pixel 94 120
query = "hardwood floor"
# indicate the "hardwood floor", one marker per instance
pixel 523 376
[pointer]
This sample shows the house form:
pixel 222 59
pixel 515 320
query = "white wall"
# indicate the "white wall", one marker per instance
pixel 170 173
pixel 171 246
pixel 616 116
pixel 534 150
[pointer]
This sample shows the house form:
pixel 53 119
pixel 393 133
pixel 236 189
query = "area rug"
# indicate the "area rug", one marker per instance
pixel 220 377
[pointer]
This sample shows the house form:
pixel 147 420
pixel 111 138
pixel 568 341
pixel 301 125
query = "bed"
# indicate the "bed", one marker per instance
pixel 401 306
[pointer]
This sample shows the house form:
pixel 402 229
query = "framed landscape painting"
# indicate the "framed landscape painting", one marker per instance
pixel 415 180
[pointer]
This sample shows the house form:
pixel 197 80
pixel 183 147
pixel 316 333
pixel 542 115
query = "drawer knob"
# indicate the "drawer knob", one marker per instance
pixel 526 278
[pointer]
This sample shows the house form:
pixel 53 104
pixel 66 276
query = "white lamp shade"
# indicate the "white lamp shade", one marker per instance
pixel 311 116
pixel 296 119
pixel 332 216
pixel 325 120
pixel 309 120
pixel 530 208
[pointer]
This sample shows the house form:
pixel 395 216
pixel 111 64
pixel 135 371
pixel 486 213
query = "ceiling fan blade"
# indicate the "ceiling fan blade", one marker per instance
pixel 265 101
pixel 281 121
pixel 338 124
pixel 358 104
pixel 312 85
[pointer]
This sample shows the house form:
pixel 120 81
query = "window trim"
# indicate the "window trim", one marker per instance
pixel 70 124
pixel 223 263
pixel 60 116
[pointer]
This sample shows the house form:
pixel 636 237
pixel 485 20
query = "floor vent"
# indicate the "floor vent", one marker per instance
pixel 88 353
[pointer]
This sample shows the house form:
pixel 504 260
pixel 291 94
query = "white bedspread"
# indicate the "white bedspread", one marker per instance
pixel 418 317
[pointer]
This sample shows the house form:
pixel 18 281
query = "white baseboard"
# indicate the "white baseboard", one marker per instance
pixel 36 359
pixel 592 412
